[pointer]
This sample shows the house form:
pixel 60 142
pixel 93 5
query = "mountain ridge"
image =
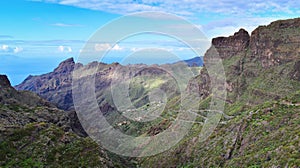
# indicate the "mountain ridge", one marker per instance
pixel 262 83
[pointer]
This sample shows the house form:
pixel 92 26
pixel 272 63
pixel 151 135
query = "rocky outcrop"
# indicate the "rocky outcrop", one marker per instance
pixel 230 46
pixel 276 43
pixel 270 55
pixel 200 84
pixel 295 74
pixel 4 82
pixel 66 66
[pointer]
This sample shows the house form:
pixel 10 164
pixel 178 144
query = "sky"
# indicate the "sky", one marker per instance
pixel 35 35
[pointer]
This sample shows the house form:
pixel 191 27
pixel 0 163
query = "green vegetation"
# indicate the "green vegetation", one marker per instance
pixel 46 145
pixel 264 136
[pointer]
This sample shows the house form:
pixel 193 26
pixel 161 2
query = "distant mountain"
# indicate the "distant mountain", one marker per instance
pixel 196 61
pixel 193 62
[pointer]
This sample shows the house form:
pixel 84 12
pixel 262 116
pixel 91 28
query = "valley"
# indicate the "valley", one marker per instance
pixel 259 127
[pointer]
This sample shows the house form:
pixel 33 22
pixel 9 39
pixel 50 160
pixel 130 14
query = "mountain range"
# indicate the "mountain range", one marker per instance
pixel 260 126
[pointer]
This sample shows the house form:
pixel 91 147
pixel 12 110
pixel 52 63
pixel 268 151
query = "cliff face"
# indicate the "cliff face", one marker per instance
pixel 230 46
pixel 277 43
pixel 274 44
pixel 258 66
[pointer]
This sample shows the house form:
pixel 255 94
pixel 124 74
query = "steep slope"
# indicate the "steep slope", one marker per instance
pixel 54 86
pixel 10 95
pixel 34 133
pixel 262 81
pixel 263 136
pixel 21 108
pixel 261 67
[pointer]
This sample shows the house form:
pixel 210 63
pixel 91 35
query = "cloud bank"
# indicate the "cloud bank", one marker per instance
pixel 186 7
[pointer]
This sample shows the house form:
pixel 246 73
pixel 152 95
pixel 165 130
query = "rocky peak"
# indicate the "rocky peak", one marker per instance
pixel 229 46
pixel 4 82
pixel 65 66
pixel 290 23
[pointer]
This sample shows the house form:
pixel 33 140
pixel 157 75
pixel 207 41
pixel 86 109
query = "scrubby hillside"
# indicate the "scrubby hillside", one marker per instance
pixel 262 82
pixel 34 133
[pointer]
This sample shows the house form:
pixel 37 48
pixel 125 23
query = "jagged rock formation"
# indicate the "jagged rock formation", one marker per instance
pixel 230 46
pixel 249 60
pixel 66 66
pixel 277 43
pixel 4 82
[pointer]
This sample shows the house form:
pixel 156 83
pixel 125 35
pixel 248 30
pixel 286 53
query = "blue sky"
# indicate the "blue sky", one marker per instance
pixel 36 35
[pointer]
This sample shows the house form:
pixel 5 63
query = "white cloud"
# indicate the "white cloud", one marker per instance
pixel 64 49
pixel 18 49
pixel 69 49
pixel 136 49
pixel 4 47
pixel 102 46
pixel 117 48
pixel 184 7
pixel 182 48
pixel 61 48
pixel 8 49
pixel 107 46
pixel 66 25
pixel 235 14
